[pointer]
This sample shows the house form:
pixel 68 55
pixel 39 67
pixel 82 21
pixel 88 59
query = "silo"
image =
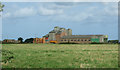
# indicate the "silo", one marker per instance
pixel 51 36
pixel 62 29
pixel 69 32
pixel 56 28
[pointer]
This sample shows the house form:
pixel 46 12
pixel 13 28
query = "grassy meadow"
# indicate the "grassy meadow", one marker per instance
pixel 59 55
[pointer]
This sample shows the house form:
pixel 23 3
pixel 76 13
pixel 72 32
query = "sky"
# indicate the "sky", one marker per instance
pixel 36 19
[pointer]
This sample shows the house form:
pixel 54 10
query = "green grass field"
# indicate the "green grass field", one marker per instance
pixel 59 56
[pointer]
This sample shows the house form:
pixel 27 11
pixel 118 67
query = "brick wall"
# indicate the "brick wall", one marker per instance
pixel 58 36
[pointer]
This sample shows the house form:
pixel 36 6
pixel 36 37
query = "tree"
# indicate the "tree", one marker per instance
pixel 113 41
pixel 30 40
pixel 1 7
pixel 20 39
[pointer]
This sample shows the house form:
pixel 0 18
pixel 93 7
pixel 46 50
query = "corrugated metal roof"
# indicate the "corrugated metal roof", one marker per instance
pixel 46 35
pixel 87 35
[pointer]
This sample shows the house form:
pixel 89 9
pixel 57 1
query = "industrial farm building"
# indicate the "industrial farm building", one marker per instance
pixel 62 35
pixel 84 39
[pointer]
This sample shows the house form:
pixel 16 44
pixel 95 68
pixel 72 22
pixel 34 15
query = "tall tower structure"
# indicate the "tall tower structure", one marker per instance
pixel 69 32
pixel 56 28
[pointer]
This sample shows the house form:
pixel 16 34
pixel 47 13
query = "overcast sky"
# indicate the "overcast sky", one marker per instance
pixel 37 19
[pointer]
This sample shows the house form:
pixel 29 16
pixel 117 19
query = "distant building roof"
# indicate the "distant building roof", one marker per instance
pixel 53 31
pixel 8 39
pixel 87 35
pixel 46 35
pixel 79 36
pixel 56 27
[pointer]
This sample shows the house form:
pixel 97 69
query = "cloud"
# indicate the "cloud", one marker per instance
pixel 54 9
pixel 111 8
pixel 47 11
pixel 41 9
pixel 22 12
pixel 76 17
pixel 60 0
pixel 66 3
pixel 6 15
pixel 30 11
pixel 65 11
pixel 58 6
pixel 96 13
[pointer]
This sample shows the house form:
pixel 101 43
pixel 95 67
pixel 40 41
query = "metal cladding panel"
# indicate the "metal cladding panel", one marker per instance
pixel 97 40
pixel 51 36
pixel 69 32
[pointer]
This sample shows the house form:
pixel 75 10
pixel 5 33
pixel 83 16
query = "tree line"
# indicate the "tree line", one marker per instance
pixel 29 40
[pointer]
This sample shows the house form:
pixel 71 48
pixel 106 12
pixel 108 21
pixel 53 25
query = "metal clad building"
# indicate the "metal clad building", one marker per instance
pixel 57 33
pixel 62 35
pixel 84 39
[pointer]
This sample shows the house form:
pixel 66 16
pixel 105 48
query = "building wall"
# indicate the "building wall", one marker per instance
pixel 10 41
pixel 46 39
pixel 91 39
pixel 96 40
pixel 76 40
pixel 51 36
pixel 38 40
pixel 58 36
pixel 101 39
pixel 69 32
